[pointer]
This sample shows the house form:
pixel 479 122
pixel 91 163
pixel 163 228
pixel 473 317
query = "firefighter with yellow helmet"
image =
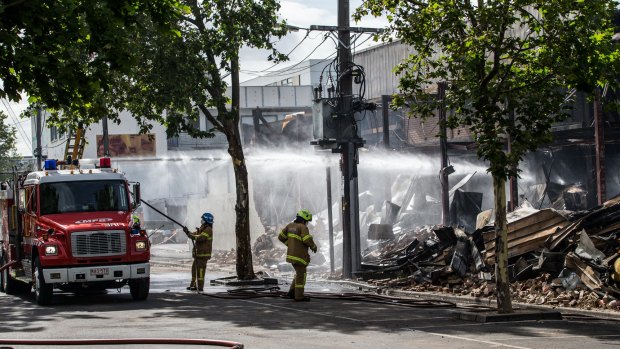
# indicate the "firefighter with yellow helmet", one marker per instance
pixel 298 240
pixel 615 271
pixel 203 246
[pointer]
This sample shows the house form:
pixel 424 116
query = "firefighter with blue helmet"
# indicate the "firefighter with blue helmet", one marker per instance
pixel 298 240
pixel 203 246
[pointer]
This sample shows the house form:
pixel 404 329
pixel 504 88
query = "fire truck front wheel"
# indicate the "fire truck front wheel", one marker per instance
pixel 139 288
pixel 42 290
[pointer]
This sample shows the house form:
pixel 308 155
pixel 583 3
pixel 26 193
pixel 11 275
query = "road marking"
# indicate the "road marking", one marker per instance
pixel 476 324
pixel 474 340
pixel 343 317
pixel 412 318
pixel 559 337
pixel 305 311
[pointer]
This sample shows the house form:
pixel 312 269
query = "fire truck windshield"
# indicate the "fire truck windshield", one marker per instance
pixel 83 196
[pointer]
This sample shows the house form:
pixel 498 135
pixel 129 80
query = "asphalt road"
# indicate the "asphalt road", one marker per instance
pixel 274 323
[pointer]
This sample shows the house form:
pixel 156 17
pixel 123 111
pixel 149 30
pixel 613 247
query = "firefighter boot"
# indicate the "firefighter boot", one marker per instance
pixel 300 282
pixel 291 291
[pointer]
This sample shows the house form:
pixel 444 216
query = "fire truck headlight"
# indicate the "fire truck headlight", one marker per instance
pixel 51 250
pixel 140 245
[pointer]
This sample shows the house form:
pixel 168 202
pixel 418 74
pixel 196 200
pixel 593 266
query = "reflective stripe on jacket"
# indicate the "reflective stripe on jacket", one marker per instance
pixel 204 242
pixel 297 238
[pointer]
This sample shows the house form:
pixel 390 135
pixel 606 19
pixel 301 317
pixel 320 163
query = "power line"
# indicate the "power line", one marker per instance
pixel 255 72
pixel 289 53
pixel 287 72
pixel 15 119
pixel 301 61
pixel 20 122
pixel 58 145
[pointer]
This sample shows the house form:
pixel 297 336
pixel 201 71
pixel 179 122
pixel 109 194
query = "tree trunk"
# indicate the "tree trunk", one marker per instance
pixel 504 301
pixel 245 270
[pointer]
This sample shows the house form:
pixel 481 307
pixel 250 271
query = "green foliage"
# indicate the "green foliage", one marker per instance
pixel 498 56
pixel 68 54
pixel 8 152
pixel 180 76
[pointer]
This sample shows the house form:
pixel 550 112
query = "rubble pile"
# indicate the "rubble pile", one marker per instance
pixel 224 256
pixel 268 251
pixel 559 258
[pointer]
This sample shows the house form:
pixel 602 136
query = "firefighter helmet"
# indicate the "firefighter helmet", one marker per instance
pixel 207 218
pixel 305 215
pixel 135 218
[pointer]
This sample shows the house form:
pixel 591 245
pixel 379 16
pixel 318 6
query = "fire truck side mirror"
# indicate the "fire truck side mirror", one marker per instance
pixel 22 200
pixel 136 195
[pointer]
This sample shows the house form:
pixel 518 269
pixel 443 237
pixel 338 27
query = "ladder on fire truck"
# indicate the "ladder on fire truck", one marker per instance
pixel 75 143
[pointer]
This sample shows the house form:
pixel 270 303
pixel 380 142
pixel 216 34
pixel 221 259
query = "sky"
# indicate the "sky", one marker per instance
pixel 254 62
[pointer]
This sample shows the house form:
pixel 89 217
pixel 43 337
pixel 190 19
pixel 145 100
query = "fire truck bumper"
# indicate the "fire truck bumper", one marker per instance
pixel 101 273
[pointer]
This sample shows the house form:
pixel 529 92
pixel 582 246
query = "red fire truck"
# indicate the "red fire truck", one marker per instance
pixel 71 230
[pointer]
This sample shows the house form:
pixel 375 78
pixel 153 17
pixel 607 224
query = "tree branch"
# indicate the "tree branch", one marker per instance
pixel 216 123
pixel 190 20
pixel 420 4
pixel 471 14
pixel 532 83
pixel 496 53
pixel 15 3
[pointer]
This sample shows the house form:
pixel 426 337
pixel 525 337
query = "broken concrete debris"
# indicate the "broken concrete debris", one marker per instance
pixel 558 258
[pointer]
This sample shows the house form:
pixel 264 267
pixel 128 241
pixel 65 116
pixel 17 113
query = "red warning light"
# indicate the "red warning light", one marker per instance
pixel 105 163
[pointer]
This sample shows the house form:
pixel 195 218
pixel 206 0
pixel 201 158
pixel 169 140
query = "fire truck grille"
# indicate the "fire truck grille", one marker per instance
pixel 98 243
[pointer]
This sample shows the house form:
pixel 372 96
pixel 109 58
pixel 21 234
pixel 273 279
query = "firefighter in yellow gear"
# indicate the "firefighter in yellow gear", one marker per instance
pixel 298 240
pixel 203 246
pixel 615 272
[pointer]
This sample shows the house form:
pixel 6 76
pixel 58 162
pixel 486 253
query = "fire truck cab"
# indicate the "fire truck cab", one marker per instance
pixel 71 230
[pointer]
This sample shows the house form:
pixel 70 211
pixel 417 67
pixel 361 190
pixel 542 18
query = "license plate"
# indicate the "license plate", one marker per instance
pixel 99 271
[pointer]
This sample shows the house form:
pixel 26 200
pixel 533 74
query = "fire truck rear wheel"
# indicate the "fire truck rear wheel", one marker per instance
pixel 10 285
pixel 2 263
pixel 139 288
pixel 42 290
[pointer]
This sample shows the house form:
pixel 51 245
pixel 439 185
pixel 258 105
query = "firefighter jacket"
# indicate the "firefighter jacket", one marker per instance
pixel 203 245
pixel 297 238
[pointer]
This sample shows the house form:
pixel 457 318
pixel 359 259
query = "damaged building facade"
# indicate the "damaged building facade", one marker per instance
pixel 563 244
pixel 563 240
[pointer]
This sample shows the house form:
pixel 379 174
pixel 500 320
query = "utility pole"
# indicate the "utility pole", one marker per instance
pixel 385 103
pixel 599 145
pixel 349 154
pixel 330 222
pixel 38 150
pixel 513 184
pixel 443 148
pixel 335 128
pixel 106 138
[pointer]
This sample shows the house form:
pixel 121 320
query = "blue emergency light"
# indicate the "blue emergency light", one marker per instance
pixel 50 165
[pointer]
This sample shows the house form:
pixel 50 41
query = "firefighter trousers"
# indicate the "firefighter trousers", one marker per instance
pixel 199 267
pixel 299 282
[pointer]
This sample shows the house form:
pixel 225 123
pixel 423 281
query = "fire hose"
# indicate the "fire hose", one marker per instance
pixel 173 221
pixel 170 218
pixel 129 341
pixel 161 213
pixel 8 265
pixel 260 292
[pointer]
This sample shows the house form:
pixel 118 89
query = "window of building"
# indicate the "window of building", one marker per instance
pixel 287 82
pixel 53 133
